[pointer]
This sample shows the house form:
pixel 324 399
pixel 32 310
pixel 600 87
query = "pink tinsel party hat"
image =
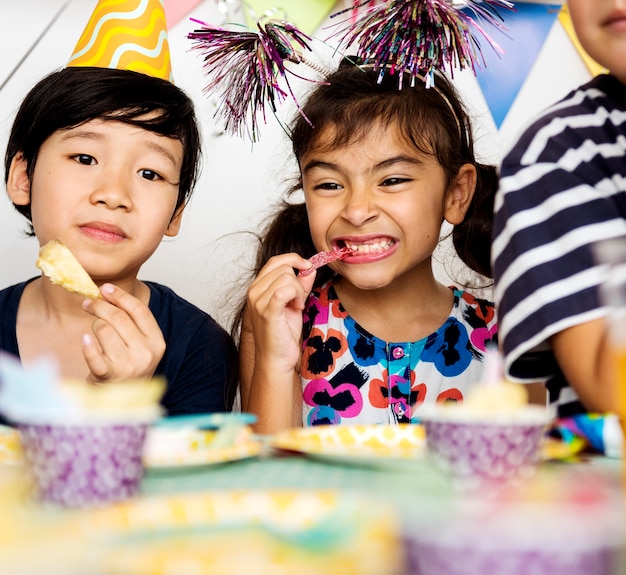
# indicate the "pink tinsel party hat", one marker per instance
pixel 126 35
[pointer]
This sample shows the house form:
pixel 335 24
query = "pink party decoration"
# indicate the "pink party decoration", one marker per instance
pixel 246 68
pixel 176 10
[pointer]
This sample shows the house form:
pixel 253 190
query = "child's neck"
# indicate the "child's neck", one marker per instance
pixel 403 311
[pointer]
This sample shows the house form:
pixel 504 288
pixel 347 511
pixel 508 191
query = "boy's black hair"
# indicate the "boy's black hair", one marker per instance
pixel 72 96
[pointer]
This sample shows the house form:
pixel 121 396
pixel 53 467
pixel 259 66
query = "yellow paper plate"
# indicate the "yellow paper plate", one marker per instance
pixel 366 443
pixel 170 448
pixel 10 446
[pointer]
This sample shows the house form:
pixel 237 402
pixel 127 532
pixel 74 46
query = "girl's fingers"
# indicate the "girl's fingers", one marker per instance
pixel 276 266
pixel 276 292
pixel 291 259
pixel 279 272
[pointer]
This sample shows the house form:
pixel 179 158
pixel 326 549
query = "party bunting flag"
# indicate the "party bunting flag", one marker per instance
pixel 307 15
pixel 566 22
pixel 176 10
pixel 503 75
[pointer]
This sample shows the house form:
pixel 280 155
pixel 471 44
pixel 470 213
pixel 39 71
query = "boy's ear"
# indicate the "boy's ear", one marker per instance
pixel 460 194
pixel 18 183
pixel 174 226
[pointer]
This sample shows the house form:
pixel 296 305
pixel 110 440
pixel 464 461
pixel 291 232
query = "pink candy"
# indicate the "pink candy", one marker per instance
pixel 322 258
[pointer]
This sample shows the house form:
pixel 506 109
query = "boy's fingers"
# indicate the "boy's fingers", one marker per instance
pixel 98 365
pixel 126 312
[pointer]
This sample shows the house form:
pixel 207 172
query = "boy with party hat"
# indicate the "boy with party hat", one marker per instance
pixel 103 156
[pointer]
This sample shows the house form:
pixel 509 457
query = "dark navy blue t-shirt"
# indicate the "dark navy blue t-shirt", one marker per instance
pixel 200 360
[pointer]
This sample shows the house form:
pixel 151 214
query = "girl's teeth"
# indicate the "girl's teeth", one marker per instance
pixel 370 248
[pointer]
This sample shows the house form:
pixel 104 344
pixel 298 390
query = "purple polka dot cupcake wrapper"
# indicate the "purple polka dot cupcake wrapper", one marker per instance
pixel 84 465
pixel 475 453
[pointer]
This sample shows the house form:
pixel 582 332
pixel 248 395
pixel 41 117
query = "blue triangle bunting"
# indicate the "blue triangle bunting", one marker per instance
pixel 502 77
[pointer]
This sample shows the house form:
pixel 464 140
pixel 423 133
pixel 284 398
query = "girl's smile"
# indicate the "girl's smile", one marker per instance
pixel 366 249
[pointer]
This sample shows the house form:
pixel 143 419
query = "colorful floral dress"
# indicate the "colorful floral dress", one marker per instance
pixel 351 376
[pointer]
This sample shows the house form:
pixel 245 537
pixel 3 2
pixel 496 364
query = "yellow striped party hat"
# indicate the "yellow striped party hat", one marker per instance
pixel 126 35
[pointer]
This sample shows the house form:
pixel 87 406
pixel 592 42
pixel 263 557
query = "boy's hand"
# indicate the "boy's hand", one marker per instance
pixel 126 341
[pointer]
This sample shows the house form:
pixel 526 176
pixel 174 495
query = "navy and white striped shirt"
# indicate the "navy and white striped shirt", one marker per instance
pixel 562 188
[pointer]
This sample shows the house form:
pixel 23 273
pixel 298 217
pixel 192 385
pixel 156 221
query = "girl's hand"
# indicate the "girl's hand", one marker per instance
pixel 276 299
pixel 126 341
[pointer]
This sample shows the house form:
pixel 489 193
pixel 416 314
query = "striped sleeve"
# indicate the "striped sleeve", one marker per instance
pixel 562 188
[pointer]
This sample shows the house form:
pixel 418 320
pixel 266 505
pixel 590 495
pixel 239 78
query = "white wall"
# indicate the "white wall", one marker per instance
pixel 239 181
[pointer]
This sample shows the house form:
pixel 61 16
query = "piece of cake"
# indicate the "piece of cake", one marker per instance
pixel 58 263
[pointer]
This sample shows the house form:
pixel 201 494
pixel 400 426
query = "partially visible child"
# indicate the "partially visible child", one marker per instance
pixel 105 160
pixel 373 337
pixel 563 188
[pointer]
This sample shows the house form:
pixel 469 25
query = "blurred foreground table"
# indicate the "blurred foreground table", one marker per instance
pixel 191 520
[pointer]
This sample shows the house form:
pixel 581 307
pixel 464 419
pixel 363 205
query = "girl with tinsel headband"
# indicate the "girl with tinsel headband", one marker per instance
pixel 372 336
pixel 386 155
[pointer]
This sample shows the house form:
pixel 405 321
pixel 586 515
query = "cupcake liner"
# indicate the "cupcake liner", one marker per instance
pixel 84 465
